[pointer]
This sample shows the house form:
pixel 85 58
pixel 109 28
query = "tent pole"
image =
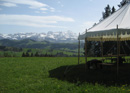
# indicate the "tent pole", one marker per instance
pixel 118 51
pixel 79 51
pixel 86 53
pixel 101 48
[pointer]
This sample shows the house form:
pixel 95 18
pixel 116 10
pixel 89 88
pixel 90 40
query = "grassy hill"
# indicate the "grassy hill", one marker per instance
pixel 8 47
pixel 46 75
pixel 28 43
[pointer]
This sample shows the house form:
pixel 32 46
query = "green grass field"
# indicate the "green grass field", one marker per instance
pixel 46 75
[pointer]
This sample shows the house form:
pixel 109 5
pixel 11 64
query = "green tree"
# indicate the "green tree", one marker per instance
pixel 6 54
pixel 27 54
pixel 29 50
pixel 32 55
pixel 23 55
pixel 107 11
pixel 36 54
pixel 103 15
pixel 123 2
pixel 46 55
pixel 2 47
pixel 113 10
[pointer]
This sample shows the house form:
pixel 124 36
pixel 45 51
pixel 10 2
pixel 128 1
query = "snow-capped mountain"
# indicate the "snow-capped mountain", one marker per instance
pixel 51 36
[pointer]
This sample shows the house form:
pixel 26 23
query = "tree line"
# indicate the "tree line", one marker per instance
pixel 27 54
pixel 15 49
pixel 109 11
pixel 37 54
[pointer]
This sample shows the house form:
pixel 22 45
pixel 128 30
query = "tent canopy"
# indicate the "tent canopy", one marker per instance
pixel 117 23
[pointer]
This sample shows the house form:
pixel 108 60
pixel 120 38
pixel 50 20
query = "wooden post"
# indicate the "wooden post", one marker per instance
pixel 118 51
pixel 101 48
pixel 86 53
pixel 79 51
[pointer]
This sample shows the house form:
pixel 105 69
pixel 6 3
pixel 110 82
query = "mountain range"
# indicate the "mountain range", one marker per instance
pixel 56 37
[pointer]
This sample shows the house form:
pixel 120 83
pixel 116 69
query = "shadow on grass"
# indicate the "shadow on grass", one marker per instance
pixel 106 76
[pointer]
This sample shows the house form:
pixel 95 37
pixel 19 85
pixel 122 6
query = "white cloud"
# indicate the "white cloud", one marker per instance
pixel 33 4
pixel 8 4
pixel 43 9
pixel 52 9
pixel 59 2
pixel 34 21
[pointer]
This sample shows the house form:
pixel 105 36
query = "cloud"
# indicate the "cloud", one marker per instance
pixel 33 21
pixel 59 2
pixel 43 9
pixel 52 9
pixel 8 4
pixel 33 4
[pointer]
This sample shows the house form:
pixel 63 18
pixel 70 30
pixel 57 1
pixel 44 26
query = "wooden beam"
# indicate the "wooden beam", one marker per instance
pixel 118 51
pixel 79 51
pixel 86 53
pixel 101 43
pixel 101 47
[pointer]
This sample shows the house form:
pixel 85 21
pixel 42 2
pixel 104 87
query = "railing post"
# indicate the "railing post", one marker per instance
pixel 118 51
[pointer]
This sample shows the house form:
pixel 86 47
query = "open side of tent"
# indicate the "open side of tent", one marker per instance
pixel 117 23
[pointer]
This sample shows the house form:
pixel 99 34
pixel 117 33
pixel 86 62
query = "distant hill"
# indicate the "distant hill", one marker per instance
pixel 29 43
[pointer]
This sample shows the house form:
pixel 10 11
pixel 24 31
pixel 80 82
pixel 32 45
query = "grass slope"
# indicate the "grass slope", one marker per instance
pixel 28 43
pixel 46 75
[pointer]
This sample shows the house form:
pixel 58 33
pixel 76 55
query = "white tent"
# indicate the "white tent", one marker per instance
pixel 114 28
pixel 117 23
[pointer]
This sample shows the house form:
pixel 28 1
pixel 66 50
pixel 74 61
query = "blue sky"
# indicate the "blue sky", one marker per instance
pixel 50 15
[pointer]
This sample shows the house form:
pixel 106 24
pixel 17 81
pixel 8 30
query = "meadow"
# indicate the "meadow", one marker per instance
pixel 57 75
